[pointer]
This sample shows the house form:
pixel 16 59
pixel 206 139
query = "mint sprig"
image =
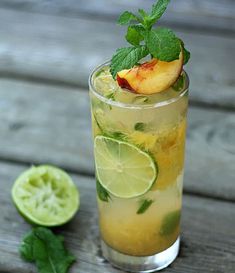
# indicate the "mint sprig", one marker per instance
pixel 127 17
pixel 134 36
pixel 163 44
pixel 127 57
pixel 160 43
pixel 46 250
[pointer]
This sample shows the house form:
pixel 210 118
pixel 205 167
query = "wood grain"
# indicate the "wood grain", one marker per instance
pixel 208 241
pixel 203 15
pixel 61 50
pixel 43 124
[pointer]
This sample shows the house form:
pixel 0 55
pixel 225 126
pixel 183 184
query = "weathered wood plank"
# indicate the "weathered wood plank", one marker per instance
pixel 208 241
pixel 205 15
pixel 65 50
pixel 43 124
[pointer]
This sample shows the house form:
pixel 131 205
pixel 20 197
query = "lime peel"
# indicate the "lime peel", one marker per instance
pixel 45 196
pixel 123 169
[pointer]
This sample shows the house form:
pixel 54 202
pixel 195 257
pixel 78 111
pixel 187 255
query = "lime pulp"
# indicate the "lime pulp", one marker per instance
pixel 46 196
pixel 123 169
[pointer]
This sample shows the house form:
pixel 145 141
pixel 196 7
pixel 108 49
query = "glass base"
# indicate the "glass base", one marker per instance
pixel 141 264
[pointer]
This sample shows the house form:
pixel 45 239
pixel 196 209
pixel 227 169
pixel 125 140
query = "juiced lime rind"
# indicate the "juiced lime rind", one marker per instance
pixel 45 196
pixel 141 169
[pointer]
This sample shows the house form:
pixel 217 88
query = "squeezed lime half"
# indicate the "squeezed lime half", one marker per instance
pixel 123 169
pixel 46 196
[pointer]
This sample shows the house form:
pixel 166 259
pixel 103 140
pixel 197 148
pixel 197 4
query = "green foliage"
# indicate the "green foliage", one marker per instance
pixel 163 44
pixel 102 192
pixel 134 36
pixel 160 43
pixel 140 126
pixel 46 250
pixel 158 10
pixel 126 58
pixel 186 55
pixel 170 223
pixel 145 204
pixel 127 17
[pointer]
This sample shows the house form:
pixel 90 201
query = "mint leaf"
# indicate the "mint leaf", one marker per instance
pixel 26 248
pixel 126 17
pixel 126 58
pixel 186 54
pixel 179 85
pixel 163 44
pixel 170 223
pixel 102 192
pixel 117 135
pixel 133 36
pixel 143 13
pixel 140 29
pixel 111 96
pixel 46 250
pixel 144 206
pixel 158 10
pixel 140 126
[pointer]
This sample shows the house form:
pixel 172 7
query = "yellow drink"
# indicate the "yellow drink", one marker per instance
pixel 149 223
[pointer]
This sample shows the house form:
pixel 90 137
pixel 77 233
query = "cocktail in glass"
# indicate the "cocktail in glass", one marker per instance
pixel 139 143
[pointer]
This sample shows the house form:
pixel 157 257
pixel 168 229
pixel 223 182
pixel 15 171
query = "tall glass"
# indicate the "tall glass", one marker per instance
pixel 141 233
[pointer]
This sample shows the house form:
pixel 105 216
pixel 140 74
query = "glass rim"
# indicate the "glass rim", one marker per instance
pixel 130 105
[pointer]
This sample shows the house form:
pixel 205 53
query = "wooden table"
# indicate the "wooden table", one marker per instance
pixel 47 49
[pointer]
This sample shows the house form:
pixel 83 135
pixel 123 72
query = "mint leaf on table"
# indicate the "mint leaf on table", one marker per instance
pixel 102 192
pixel 46 250
pixel 127 17
pixel 126 58
pixel 163 44
pixel 145 204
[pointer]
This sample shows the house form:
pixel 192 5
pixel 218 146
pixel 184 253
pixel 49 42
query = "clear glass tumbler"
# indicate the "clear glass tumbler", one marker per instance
pixel 139 146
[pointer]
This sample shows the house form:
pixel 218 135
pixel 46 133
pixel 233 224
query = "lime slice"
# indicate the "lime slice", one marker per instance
pixel 45 196
pixel 123 169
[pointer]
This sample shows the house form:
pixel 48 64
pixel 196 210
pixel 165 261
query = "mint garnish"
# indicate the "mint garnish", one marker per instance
pixel 127 17
pixel 145 204
pixel 186 55
pixel 134 36
pixel 163 44
pixel 126 58
pixel 46 250
pixel 160 43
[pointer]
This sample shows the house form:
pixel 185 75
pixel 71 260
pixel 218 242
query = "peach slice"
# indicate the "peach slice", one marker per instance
pixel 151 77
